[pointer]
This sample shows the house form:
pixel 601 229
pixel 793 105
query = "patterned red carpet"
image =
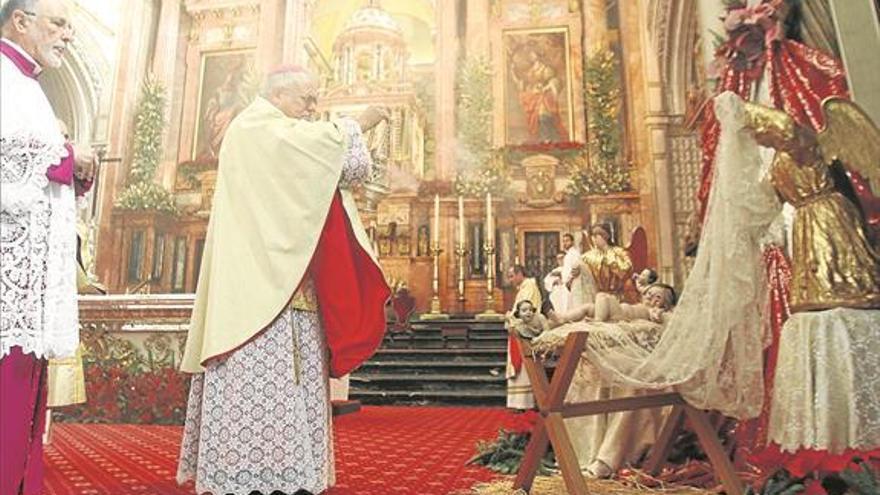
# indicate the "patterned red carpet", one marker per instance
pixel 379 450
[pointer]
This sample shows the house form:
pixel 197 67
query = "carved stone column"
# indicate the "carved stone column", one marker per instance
pixel 444 70
pixel 166 67
pixel 710 22
pixel 271 37
pixel 296 29
pixel 595 15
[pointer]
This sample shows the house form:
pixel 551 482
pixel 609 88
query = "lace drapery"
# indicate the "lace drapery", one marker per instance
pixel 38 250
pixel 711 349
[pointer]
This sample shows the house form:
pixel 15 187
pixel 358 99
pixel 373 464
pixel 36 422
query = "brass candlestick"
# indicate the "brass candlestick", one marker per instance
pixel 435 313
pixel 490 313
pixel 461 255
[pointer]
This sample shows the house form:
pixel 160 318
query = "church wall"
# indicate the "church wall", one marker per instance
pixel 131 67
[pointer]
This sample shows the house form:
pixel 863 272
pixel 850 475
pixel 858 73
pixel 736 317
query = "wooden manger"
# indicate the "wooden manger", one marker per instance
pixel 550 427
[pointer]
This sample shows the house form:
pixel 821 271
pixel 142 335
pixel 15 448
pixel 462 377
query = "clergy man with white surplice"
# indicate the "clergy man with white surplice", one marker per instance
pixel 289 294
pixel 39 178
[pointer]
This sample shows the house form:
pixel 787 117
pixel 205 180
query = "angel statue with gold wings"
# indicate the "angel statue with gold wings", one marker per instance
pixel 826 390
pixel 833 263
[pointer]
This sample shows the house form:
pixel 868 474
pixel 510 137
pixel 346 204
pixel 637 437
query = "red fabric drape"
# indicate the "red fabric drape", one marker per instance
pixel 515 353
pixel 751 435
pixel 352 292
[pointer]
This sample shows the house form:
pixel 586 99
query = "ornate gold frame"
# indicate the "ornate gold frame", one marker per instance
pixel 568 73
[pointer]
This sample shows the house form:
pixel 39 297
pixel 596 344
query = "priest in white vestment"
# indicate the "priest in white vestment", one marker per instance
pixel 39 178
pixel 289 294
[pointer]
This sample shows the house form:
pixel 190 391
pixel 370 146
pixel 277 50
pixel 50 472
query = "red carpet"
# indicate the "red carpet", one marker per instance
pixel 402 450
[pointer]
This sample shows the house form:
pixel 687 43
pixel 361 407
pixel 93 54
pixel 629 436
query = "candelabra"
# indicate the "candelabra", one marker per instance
pixel 490 313
pixel 435 313
pixel 461 256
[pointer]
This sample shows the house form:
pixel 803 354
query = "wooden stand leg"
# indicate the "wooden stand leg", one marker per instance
pixel 565 455
pixel 531 462
pixel 666 439
pixel 717 455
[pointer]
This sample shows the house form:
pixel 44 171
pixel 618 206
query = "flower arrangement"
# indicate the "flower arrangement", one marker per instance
pixel 747 33
pixel 504 454
pixel 127 384
pixel 813 472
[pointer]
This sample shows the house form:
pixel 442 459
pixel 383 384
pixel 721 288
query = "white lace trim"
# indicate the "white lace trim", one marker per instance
pixel 24 159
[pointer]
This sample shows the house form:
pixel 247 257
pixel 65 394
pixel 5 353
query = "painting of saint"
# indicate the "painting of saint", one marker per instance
pixel 537 87
pixel 228 84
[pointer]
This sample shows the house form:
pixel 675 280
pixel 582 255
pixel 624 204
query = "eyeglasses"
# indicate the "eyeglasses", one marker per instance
pixel 59 22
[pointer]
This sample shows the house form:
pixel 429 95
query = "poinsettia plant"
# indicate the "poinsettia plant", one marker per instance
pixel 504 453
pixel 817 472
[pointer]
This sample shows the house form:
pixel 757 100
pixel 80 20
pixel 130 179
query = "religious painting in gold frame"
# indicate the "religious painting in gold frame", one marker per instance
pixel 228 82
pixel 537 87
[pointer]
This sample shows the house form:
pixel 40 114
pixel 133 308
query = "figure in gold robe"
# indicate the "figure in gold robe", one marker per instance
pixel 609 265
pixel 833 264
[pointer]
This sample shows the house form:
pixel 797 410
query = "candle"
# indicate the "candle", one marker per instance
pixel 461 221
pixel 437 219
pixel 489 233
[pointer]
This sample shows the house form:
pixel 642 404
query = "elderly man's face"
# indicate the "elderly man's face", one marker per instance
pixel 298 101
pixel 44 32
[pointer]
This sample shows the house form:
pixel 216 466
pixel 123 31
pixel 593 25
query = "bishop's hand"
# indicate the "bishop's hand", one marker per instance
pixel 372 116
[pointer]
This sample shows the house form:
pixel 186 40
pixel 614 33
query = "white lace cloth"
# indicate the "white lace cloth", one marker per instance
pixel 826 392
pixel 38 309
pixel 711 349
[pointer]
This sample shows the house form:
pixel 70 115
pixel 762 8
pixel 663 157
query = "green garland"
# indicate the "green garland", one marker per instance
pixel 505 453
pixel 607 172
pixel 142 192
pixel 480 169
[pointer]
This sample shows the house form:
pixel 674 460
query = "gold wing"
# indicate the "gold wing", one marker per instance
pixel 851 137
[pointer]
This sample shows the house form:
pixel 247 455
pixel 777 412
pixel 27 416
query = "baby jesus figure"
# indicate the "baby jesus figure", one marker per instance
pixel 526 321
pixel 658 300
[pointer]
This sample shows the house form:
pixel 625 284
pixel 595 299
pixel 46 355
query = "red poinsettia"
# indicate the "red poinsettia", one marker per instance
pixel 521 423
pixel 814 487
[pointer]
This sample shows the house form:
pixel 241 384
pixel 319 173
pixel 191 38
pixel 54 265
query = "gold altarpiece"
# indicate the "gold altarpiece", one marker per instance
pixel 379 55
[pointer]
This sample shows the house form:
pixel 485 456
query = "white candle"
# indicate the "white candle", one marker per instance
pixel 461 221
pixel 489 233
pixel 437 219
